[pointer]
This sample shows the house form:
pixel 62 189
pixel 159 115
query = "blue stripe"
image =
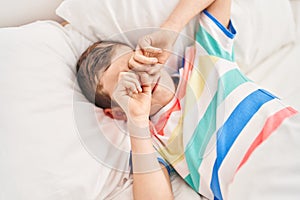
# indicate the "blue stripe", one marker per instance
pixel 207 125
pixel 229 32
pixel 228 133
pixel 182 63
pixel 164 163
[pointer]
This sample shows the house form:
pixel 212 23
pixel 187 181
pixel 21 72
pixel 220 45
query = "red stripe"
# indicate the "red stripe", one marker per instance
pixel 187 69
pixel 270 126
pixel 160 125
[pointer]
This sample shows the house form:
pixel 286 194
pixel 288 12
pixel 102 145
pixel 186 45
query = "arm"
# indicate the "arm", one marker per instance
pixel 149 179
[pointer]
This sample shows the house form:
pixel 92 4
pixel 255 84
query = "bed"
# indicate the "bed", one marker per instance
pixel 50 135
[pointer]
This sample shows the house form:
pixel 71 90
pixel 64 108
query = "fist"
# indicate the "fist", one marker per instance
pixel 133 94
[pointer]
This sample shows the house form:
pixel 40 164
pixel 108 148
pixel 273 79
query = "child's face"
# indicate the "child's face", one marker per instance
pixel 163 91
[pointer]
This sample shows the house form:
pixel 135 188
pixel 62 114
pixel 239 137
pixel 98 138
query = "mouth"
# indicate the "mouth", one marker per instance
pixel 155 86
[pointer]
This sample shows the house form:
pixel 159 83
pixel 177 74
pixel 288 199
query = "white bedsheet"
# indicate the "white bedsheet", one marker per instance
pixel 273 170
pixel 280 73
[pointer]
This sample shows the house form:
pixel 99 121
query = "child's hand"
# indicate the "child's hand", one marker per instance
pixel 158 45
pixel 152 52
pixel 133 94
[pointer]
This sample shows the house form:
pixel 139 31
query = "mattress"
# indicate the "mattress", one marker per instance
pixel 279 74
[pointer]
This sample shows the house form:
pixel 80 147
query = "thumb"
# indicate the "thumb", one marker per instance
pixel 146 45
pixel 145 82
pixel 145 42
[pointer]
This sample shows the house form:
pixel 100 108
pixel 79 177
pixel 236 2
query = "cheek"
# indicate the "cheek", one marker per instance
pixel 109 83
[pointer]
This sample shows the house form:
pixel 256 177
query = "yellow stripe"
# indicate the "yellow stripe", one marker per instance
pixel 197 81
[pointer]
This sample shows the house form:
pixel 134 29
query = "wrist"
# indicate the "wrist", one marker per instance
pixel 139 129
pixel 138 122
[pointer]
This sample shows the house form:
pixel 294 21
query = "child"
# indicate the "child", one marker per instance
pixel 215 114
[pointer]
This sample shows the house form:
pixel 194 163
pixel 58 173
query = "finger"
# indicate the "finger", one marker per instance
pixel 130 86
pixel 136 66
pixel 135 80
pixel 129 92
pixel 145 42
pixel 144 59
pixel 145 79
pixel 129 80
pixel 152 50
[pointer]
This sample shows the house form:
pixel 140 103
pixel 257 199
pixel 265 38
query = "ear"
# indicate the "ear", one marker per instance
pixel 108 112
pixel 115 113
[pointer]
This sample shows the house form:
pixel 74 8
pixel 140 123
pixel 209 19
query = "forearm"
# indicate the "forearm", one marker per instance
pixel 149 179
pixel 184 12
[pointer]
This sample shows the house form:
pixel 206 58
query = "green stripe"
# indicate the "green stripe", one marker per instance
pixel 211 45
pixel 188 179
pixel 207 126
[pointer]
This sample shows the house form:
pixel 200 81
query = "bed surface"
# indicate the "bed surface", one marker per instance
pixel 280 72
pixel 42 153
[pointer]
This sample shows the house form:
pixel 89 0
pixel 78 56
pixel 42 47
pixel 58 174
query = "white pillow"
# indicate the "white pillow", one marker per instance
pixel 124 21
pixel 263 26
pixel 103 19
pixel 43 151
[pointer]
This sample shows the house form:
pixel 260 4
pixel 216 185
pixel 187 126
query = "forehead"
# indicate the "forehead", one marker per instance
pixel 118 56
pixel 119 60
pixel 119 63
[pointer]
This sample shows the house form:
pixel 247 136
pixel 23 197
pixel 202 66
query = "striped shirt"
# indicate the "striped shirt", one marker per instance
pixel 218 116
